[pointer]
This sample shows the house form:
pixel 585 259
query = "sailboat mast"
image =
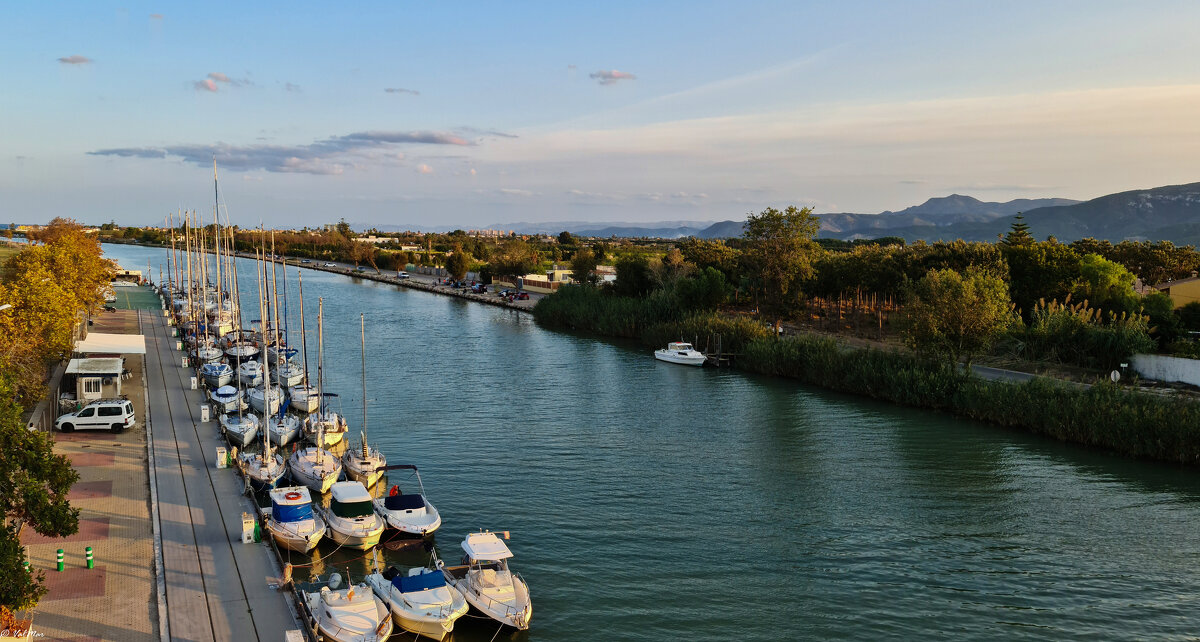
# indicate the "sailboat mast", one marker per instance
pixel 266 374
pixel 279 356
pixel 303 328
pixel 217 246
pixel 320 376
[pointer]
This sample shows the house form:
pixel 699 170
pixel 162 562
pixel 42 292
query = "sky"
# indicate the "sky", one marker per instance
pixel 438 115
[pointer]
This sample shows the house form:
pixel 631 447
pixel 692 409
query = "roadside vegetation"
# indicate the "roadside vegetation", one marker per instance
pixel 52 285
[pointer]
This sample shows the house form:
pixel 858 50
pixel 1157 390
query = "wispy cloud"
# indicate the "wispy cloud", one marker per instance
pixel 512 191
pixel 75 60
pixel 402 90
pixel 156 16
pixel 328 156
pixel 210 83
pixel 424 169
pixel 610 76
pixel 291 87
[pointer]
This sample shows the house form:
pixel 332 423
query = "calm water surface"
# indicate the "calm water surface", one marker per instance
pixel 654 501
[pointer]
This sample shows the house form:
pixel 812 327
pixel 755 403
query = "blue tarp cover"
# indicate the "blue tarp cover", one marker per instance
pixel 426 580
pixel 292 512
pixel 404 502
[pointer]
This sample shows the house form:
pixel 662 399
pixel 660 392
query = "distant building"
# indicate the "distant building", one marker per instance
pixel 1182 291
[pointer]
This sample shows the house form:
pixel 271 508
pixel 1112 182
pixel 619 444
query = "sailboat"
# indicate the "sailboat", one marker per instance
pixel 324 428
pixel 364 464
pixel 266 468
pixel 304 396
pixel 315 467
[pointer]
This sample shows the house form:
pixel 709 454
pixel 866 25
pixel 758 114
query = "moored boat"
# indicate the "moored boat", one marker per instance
pixel 487 583
pixel 348 615
pixel 421 602
pixel 291 521
pixel 216 374
pixel 682 353
pixel 240 429
pixel 351 518
pixel 314 467
pixel 412 514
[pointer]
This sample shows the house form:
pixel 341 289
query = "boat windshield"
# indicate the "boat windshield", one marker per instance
pixel 350 510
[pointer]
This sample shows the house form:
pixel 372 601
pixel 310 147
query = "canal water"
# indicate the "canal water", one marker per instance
pixel 653 501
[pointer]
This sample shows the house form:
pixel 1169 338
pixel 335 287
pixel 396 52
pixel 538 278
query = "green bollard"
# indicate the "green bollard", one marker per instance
pixel 90 562
pixel 60 559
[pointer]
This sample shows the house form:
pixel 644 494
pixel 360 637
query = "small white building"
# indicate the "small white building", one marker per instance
pixel 96 378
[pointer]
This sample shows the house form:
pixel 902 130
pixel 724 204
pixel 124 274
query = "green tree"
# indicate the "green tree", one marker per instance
pixel 583 266
pixel 780 252
pixel 1018 233
pixel 634 277
pixel 565 238
pixel 1165 324
pixel 601 251
pixel 715 254
pixel 514 258
pixel 343 228
pixel 1040 271
pixel 457 263
pixel 1189 315
pixel 1106 285
pixel 956 316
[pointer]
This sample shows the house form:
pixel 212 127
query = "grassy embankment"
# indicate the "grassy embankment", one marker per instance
pixel 1103 415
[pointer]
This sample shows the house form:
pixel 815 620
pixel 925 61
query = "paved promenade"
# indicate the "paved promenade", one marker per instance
pixel 116 599
pixel 216 587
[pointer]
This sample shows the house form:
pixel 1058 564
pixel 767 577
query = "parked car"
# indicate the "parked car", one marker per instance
pixel 114 414
pixel 361 268
pixel 402 274
pixel 306 260
pixel 328 265
pixel 522 296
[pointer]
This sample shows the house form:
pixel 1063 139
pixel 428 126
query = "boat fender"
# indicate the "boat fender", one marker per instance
pixel 394 491
pixel 335 581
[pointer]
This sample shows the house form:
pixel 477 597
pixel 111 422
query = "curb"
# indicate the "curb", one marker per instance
pixel 164 627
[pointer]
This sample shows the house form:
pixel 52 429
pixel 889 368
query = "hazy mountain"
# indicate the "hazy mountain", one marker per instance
pixel 957 204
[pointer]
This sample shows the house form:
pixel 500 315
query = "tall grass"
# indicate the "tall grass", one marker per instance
pixel 1104 415
pixel 1080 335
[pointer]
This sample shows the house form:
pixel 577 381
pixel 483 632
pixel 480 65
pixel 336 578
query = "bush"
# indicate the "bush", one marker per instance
pixel 1077 334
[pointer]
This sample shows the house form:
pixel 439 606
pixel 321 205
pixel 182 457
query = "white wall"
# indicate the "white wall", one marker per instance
pixel 1163 368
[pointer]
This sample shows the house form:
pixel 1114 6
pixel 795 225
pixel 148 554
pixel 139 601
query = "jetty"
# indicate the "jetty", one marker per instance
pixel 214 586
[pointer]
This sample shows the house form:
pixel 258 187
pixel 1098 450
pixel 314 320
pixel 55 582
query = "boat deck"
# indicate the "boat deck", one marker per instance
pixel 216 587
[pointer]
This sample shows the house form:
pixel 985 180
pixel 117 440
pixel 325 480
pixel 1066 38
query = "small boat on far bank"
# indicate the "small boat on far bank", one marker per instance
pixel 682 353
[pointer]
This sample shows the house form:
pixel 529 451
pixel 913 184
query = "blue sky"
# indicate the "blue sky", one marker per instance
pixel 503 112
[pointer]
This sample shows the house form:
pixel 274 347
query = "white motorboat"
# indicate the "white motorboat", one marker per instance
pixel 208 353
pixel 288 374
pixel 351 517
pixel 250 373
pixel 258 398
pixel 240 429
pixel 421 602
pixel 348 615
pixel 216 374
pixel 315 467
pixel 291 521
pixel 325 429
pixel 412 514
pixel 487 583
pixel 262 469
pixel 304 398
pixel 227 399
pixel 283 428
pixel 681 353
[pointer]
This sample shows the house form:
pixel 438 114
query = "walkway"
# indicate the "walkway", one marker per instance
pixel 216 587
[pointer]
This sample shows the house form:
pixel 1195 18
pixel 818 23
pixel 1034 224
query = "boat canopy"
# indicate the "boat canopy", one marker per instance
pixel 350 491
pixel 350 510
pixel 225 391
pixel 423 582
pixel 291 512
pixel 485 546
pixel 403 502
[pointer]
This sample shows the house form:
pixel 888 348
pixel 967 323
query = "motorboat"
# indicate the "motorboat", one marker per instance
pixel 682 353
pixel 264 469
pixel 216 374
pixel 291 521
pixel 304 398
pixel 351 517
pixel 348 615
pixel 487 583
pixel 315 467
pixel 325 429
pixel 227 399
pixel 240 429
pixel 283 428
pixel 364 464
pixel 412 514
pixel 421 602
pixel 289 373
pixel 207 352
pixel 250 373
pixel 258 398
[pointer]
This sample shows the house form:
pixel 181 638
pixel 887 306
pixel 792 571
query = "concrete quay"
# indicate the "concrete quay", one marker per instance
pixel 216 588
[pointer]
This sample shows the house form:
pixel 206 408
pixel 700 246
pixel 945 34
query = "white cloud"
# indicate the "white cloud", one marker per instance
pixel 611 76
pixel 424 169
pixel 75 60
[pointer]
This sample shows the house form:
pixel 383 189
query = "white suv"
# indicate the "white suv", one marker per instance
pixel 114 414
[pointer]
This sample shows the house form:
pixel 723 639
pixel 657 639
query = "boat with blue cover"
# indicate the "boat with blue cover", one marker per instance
pixel 216 374
pixel 421 601
pixel 291 521
pixel 227 399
